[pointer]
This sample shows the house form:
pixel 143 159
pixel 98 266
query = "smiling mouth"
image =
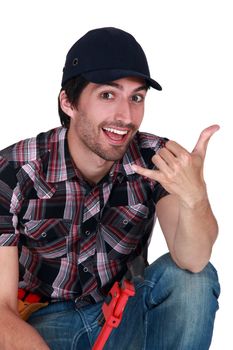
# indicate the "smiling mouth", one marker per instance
pixel 115 135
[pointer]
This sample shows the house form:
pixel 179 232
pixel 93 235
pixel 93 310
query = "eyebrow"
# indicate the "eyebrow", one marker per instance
pixel 120 87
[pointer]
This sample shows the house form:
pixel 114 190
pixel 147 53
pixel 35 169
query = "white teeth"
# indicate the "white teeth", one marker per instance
pixel 115 131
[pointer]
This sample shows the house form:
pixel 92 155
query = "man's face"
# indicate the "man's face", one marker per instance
pixel 107 117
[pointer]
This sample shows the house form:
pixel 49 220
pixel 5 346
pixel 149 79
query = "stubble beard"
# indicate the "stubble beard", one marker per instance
pixel 90 137
pixel 113 153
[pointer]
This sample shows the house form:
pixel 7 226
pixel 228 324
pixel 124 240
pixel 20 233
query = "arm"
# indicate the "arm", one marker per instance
pixel 185 216
pixel 15 334
pixel 189 232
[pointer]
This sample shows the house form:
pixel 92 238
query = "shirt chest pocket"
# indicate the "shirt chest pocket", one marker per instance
pixel 123 227
pixel 47 237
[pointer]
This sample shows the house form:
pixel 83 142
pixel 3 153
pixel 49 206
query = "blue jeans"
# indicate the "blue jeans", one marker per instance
pixel 173 309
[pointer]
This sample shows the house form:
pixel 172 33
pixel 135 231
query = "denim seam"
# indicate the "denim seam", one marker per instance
pixel 77 337
pixel 86 325
pixel 145 330
pixel 146 283
pixel 88 328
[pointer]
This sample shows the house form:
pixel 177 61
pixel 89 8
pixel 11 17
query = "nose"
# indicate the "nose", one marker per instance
pixel 123 111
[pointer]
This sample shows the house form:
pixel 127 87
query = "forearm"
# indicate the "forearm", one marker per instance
pixel 16 334
pixel 195 235
pixel 186 218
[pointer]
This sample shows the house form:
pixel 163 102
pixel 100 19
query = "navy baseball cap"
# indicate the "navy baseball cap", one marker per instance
pixel 107 54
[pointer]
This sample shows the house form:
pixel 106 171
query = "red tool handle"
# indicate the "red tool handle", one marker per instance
pixel 113 310
pixel 102 337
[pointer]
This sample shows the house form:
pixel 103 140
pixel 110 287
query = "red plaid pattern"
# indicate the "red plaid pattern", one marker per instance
pixel 74 240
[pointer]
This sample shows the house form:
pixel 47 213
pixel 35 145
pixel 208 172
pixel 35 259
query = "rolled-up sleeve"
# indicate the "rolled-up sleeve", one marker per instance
pixel 159 192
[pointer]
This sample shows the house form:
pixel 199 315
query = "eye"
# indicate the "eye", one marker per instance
pixel 107 95
pixel 137 98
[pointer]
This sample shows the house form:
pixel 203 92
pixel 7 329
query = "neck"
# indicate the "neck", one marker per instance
pixel 92 167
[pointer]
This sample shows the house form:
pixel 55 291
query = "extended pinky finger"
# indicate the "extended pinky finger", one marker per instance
pixel 152 174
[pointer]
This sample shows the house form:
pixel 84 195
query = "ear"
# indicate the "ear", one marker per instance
pixel 66 104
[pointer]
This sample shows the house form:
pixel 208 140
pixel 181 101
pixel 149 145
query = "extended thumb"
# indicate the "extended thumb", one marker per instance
pixel 202 143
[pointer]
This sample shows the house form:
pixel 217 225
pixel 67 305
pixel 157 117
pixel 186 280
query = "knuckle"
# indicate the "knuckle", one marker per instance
pixel 155 157
pixel 160 151
pixel 169 143
pixel 169 177
pixel 186 158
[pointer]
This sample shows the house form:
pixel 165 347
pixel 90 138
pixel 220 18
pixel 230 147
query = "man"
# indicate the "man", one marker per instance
pixel 78 205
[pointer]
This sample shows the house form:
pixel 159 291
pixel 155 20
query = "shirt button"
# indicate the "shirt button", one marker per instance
pixel 87 233
pixel 85 269
pixel 125 222
pixel 44 234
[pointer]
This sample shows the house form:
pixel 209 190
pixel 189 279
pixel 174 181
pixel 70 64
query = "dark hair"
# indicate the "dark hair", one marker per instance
pixel 73 89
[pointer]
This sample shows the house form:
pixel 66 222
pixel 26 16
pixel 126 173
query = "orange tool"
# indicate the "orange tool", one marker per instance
pixel 113 309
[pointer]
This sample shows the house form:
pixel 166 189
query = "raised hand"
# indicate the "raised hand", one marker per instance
pixel 181 172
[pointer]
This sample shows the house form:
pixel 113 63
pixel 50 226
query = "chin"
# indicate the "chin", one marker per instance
pixel 112 158
pixel 111 155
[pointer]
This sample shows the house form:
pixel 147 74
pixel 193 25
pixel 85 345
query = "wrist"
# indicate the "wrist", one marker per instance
pixel 195 201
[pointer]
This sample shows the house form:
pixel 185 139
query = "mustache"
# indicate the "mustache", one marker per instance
pixel 118 124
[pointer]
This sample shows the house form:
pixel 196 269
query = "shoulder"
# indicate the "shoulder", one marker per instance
pixel 150 141
pixel 146 145
pixel 30 155
pixel 30 149
pixel 141 150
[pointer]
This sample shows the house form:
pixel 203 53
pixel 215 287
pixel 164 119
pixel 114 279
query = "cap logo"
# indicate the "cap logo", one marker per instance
pixel 75 61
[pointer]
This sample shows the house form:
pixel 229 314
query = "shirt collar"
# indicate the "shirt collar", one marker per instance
pixel 132 156
pixel 61 167
pixel 60 164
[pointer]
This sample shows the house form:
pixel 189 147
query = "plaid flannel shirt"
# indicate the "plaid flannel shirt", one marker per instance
pixel 74 239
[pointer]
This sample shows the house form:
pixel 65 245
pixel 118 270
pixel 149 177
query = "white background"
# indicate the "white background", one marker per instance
pixel 189 49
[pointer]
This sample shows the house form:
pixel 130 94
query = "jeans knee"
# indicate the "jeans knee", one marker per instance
pixel 180 306
pixel 191 290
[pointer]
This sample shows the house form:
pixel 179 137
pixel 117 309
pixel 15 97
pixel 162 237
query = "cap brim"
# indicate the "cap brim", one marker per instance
pixel 107 75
